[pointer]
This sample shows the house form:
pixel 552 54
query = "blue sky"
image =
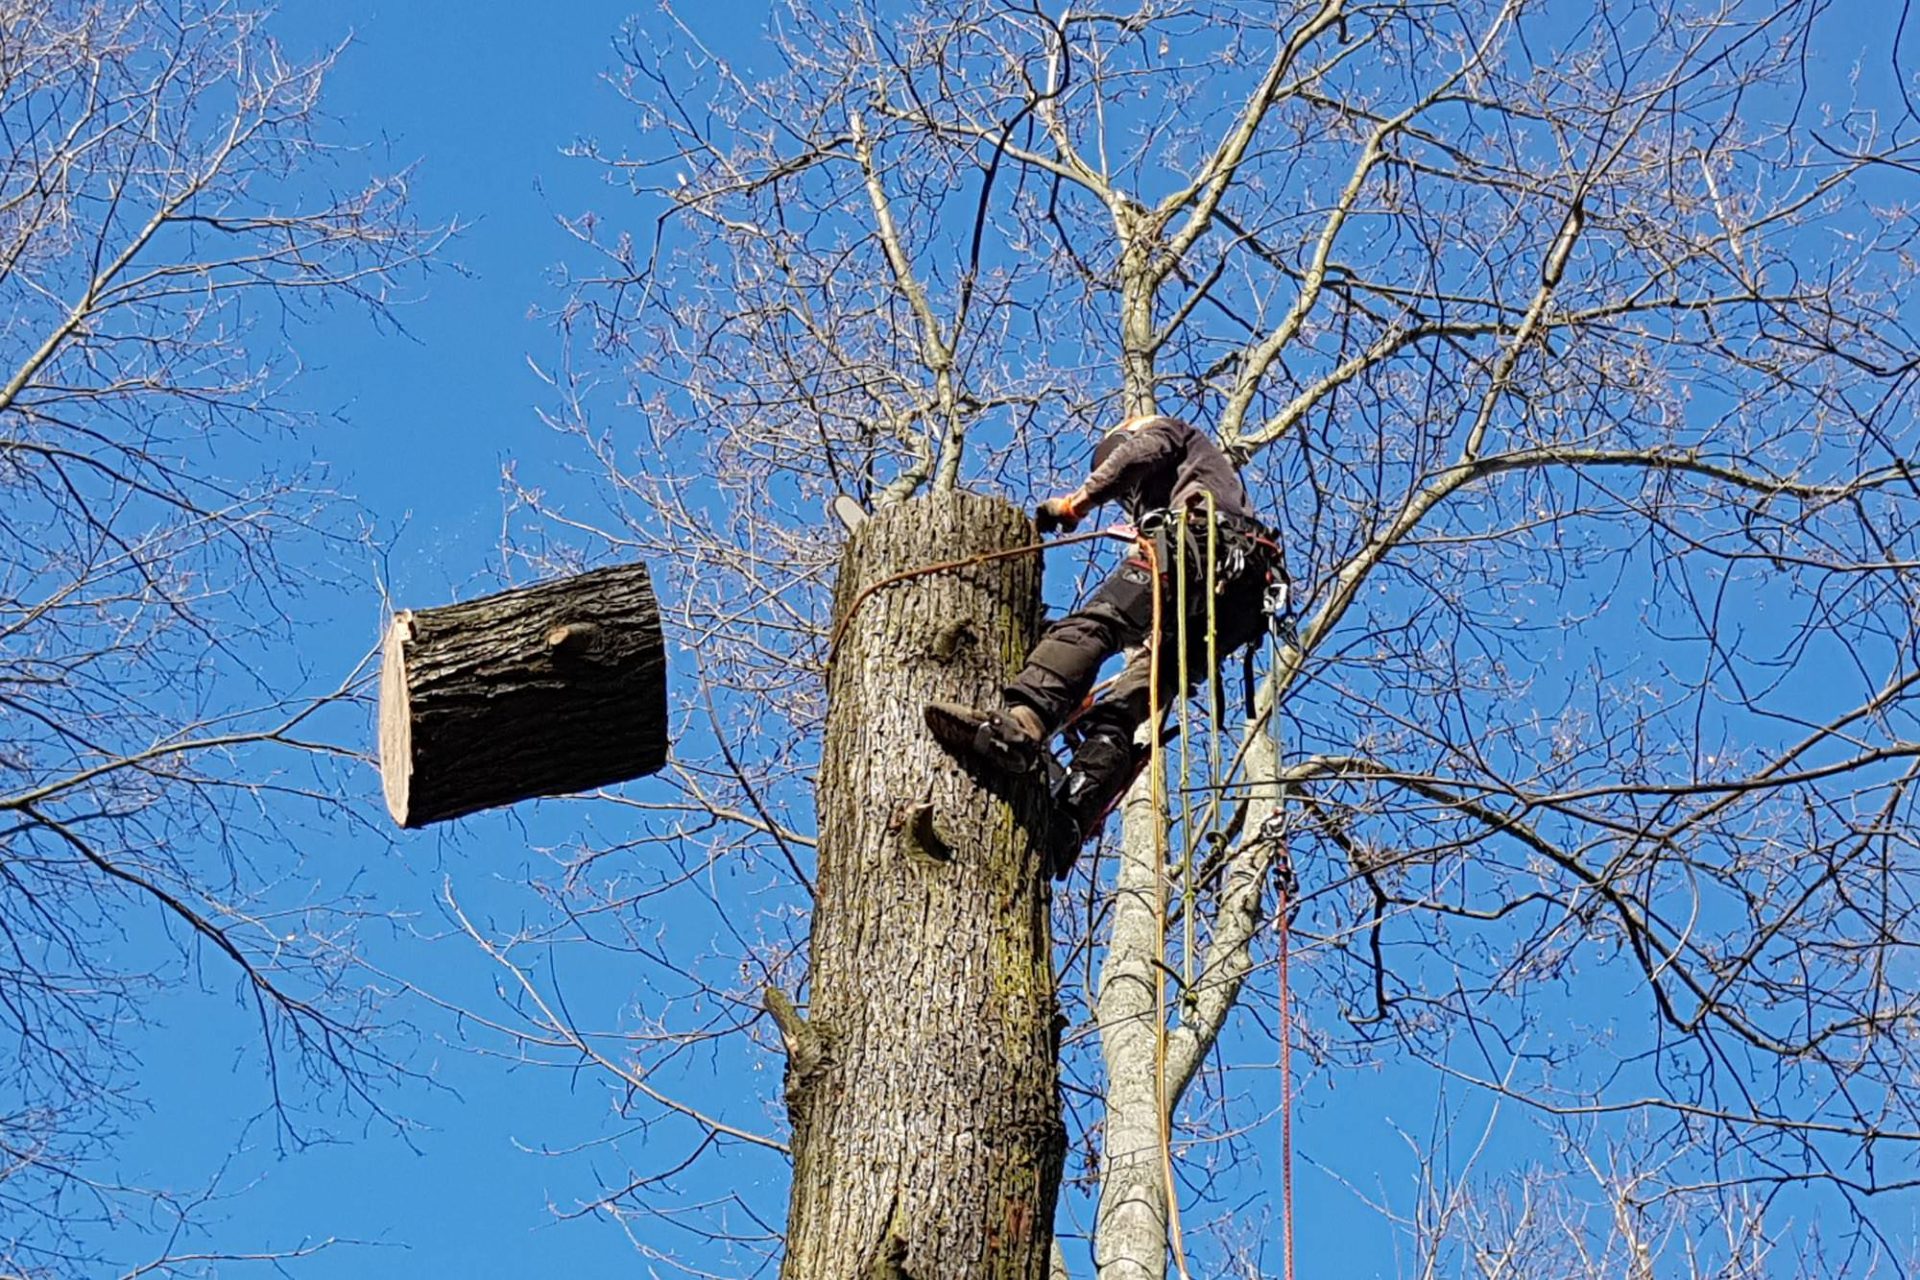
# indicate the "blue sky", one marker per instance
pixel 483 98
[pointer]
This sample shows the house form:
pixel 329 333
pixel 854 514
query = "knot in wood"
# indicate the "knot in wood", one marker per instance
pixel 919 838
pixel 573 639
pixel 952 637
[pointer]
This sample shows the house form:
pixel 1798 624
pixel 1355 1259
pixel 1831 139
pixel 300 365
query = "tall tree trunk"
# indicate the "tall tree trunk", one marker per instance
pixel 1131 1226
pixel 927 1133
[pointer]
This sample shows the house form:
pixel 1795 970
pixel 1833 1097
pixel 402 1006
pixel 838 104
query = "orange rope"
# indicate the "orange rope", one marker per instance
pixel 1283 923
pixel 1157 780
pixel 907 575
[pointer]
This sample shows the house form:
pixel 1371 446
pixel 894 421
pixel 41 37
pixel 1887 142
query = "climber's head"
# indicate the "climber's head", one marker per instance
pixel 1111 441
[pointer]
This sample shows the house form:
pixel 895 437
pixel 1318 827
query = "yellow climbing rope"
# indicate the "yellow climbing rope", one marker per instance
pixel 1157 791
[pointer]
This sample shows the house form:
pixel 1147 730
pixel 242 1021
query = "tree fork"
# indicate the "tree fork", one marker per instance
pixel 927 1137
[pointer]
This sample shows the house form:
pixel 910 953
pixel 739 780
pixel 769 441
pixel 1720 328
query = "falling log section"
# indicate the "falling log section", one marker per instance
pixel 540 691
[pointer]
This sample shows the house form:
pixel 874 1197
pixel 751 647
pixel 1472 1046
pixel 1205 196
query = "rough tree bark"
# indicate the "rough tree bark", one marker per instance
pixel 539 691
pixel 927 1132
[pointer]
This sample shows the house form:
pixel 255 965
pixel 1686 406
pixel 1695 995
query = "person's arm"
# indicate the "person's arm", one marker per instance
pixel 1152 444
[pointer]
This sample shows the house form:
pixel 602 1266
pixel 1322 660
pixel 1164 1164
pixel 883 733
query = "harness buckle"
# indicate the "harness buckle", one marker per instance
pixel 1277 602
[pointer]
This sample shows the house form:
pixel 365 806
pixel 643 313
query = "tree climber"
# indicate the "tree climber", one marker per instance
pixel 1155 466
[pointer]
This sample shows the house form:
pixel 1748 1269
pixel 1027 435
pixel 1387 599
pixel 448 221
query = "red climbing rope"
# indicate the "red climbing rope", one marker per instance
pixel 1286 1081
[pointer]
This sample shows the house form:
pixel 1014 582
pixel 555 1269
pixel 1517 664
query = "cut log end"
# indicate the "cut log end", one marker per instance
pixel 396 718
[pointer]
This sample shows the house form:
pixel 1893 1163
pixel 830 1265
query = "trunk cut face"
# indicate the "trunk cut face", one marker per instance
pixel 928 1137
pixel 539 691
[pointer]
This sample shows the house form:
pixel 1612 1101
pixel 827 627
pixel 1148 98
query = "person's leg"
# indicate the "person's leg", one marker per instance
pixel 1106 757
pixel 1065 663
pixel 1104 761
pixel 1054 680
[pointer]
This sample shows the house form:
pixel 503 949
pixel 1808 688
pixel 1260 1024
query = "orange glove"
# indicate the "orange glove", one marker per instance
pixel 1057 514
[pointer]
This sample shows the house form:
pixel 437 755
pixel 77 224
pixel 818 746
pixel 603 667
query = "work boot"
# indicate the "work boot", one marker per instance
pixel 1104 765
pixel 1007 742
pixel 1068 829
